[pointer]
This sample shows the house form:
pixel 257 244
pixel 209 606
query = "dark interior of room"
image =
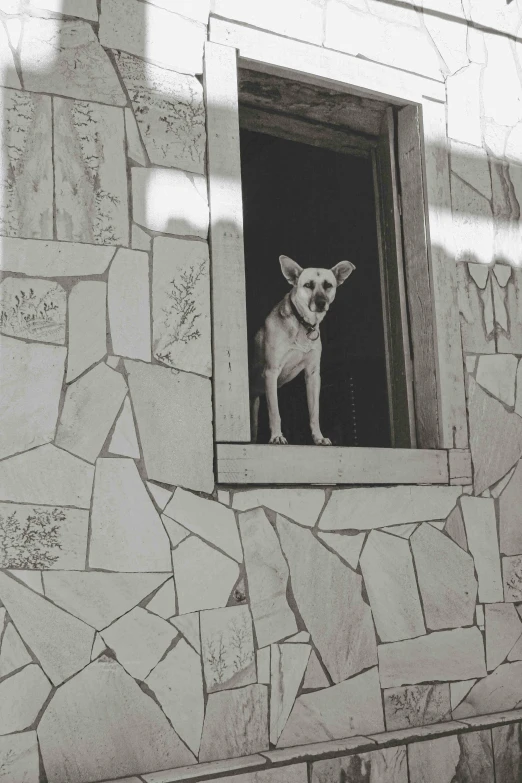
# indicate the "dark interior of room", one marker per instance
pixel 318 207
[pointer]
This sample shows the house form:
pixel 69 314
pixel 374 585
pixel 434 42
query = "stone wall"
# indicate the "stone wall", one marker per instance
pixel 149 619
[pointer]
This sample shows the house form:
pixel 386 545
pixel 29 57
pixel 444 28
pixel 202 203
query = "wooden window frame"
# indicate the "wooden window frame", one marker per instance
pixel 428 257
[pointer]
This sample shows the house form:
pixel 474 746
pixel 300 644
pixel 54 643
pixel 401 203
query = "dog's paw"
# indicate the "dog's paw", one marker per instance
pixel 279 440
pixel 322 441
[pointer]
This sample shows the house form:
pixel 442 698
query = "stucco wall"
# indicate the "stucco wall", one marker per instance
pixel 149 619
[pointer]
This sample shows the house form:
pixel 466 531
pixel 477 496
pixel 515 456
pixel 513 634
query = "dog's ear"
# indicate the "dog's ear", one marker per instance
pixel 342 270
pixel 290 269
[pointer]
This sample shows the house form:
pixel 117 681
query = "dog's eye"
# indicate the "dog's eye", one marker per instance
pixel 309 284
pixel 327 285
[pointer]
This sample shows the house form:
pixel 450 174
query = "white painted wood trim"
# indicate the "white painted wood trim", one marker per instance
pixel 229 332
pixel 264 464
pixel 309 61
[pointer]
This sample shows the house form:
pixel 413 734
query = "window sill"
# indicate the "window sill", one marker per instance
pixel 241 463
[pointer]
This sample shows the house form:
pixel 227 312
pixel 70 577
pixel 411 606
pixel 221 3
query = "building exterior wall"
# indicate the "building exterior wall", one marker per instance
pixel 151 619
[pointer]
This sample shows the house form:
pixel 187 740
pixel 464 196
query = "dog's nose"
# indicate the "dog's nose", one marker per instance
pixel 320 304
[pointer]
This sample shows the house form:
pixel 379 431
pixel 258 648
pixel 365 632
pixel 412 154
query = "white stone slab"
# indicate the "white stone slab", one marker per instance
pixel 403 531
pixel 509 506
pixel 302 505
pixel 347 547
pixel 135 149
pixel 65 57
pixel 61 643
pixel 181 305
pixel 208 519
pixel 22 696
pixel 98 647
pixel 263 665
pixel 99 710
pixel 192 9
pixel 129 304
pixel 87 326
pixel 441 656
pixel 42 536
pixel 140 240
pixel 173 412
pixel 368 508
pixel 86 9
pixel 33 309
pixel 350 708
pixel 127 533
pixel 512 578
pixel 302 19
pixel 299 638
pixel 147 31
pixel 27 418
pixel 416 705
pixel 458 690
pixel 164 602
pixel 160 495
pixel 53 259
pixel 227 648
pixel 345 634
pixel 497 692
pixel 204 577
pixel 236 723
pixel 481 531
pixel 500 486
pixel 315 676
pixel 139 640
pixel 503 629
pixel 13 653
pixel 471 164
pixel 497 374
pixel 90 173
pixel 178 685
pixel 267 573
pixel 8 74
pixel 96 597
pixel 176 532
pixel 446 578
pixel 26 168
pixel 19 759
pixel 464 114
pixel 91 405
pixel 124 440
pixel 287 668
pixel 170 201
pixel 389 578
pixel 188 626
pixel 169 111
pixel 47 475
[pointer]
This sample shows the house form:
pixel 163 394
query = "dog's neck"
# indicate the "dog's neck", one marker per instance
pixel 314 319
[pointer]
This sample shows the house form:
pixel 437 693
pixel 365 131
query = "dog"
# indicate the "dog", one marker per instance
pixel 289 342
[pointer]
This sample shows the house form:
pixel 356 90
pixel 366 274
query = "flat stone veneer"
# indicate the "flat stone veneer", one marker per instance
pixel 150 620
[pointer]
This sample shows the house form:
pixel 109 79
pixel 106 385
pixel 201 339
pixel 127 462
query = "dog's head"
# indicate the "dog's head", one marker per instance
pixel 315 287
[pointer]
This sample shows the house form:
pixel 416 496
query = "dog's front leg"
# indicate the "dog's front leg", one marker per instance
pixel 274 419
pixel 313 390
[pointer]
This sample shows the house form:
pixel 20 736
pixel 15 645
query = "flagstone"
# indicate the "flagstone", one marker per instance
pixel 314 675
pixel 367 508
pixel 495 437
pixel 301 505
pixel 267 574
pixel 164 602
pixel 263 665
pixel 352 707
pixel 455 529
pixel 91 405
pixel 19 760
pixel 80 66
pixel 176 532
pixel 140 240
pixel 462 757
pixel 287 668
pixel 188 626
pixel 227 648
pixel 61 642
pixel 129 304
pixel 500 486
pixel 236 723
pixel 204 577
pixel 173 411
pixel 458 690
pixel 48 476
pixel 85 8
pixel 457 654
pixel 53 259
pixel 512 578
pixel 42 536
pixel 507 742
pixel 416 705
pixel 32 579
pixel 298 638
pixel 446 578
pixel 385 764
pixel 515 654
pixel 208 519
pixel 27 418
pixel 389 578
pixel 87 327
pixel 33 309
pixel 509 505
pixel 98 647
pixel 169 111
pixel 90 173
pixel 496 374
pixel 8 74
pixel 99 710
pixel 160 494
pixel 170 201
pixel 347 547
pixel 497 692
pixel 96 597
pixel 135 151
pixel 21 698
pixel 503 629
pixel 403 531
pixel 481 531
pixel 124 440
pixel 13 653
pixel 139 640
pixel 178 685
pixel 127 533
pixel 344 635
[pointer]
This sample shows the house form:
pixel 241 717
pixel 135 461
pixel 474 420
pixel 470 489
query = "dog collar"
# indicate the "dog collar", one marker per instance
pixel 310 328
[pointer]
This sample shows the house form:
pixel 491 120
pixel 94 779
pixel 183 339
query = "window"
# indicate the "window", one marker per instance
pixel 377 136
